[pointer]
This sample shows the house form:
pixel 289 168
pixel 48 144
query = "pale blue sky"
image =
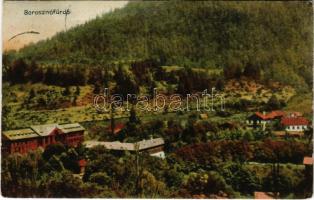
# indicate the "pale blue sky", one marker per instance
pixel 14 20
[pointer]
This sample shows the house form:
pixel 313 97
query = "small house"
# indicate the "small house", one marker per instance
pixel 261 119
pixel 295 123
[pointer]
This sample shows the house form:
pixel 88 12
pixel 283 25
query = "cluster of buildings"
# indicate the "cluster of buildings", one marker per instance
pixel 290 121
pixel 25 140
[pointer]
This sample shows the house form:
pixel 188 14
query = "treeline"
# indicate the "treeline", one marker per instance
pixel 272 37
pixel 21 71
pixel 128 77
pixel 53 173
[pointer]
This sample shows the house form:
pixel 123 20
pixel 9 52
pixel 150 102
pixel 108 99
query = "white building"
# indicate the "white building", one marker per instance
pixel 153 146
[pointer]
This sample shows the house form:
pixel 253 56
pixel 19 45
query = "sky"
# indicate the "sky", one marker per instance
pixel 15 21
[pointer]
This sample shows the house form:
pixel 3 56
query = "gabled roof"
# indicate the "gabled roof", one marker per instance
pixel 294 121
pixel 142 145
pixel 41 130
pixel 146 144
pixel 275 113
pixel 20 134
pixel 261 115
pixel 271 115
pixel 111 145
pixel 67 128
pixel 44 130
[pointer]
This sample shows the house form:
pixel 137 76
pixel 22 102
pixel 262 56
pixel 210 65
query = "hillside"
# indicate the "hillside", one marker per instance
pixel 273 37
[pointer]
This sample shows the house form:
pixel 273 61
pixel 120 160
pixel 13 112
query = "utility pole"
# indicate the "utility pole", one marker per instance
pixel 138 178
pixel 112 119
pixel 275 174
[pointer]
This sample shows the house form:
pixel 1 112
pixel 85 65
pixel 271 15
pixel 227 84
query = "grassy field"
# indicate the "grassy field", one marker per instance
pixel 251 90
pixel 21 116
pixel 302 103
pixel 196 69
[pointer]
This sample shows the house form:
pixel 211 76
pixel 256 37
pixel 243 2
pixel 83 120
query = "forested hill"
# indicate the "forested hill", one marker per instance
pixel 275 37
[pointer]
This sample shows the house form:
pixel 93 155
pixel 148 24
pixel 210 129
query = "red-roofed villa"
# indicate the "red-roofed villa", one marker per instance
pixel 260 119
pixel 295 123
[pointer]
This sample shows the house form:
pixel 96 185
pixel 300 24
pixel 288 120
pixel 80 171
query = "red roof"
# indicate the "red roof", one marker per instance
pixel 308 161
pixel 260 115
pixel 117 128
pixel 294 121
pixel 264 195
pixel 271 115
pixel 276 113
pixel 82 163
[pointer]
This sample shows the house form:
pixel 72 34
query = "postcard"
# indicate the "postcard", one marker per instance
pixel 157 99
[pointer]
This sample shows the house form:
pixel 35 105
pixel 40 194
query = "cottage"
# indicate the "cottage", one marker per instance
pixel 24 140
pixel 295 123
pixel 262 118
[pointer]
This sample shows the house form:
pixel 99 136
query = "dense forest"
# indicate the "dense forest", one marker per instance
pixel 271 39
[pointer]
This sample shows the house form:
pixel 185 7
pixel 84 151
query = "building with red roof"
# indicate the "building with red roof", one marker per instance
pixel 295 123
pixel 260 119
pixel 269 116
pixel 291 121
pixel 25 140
